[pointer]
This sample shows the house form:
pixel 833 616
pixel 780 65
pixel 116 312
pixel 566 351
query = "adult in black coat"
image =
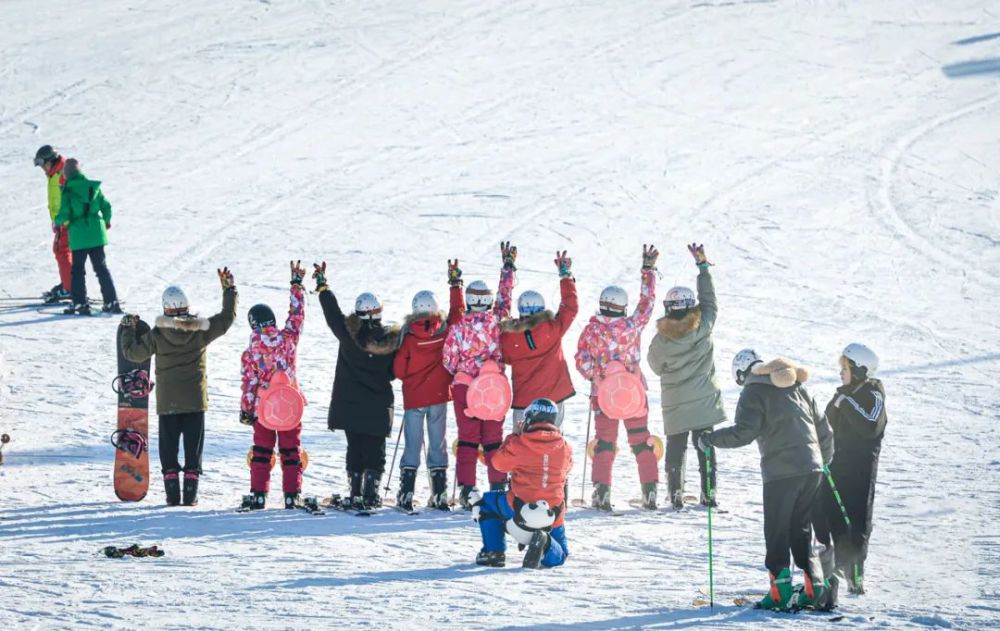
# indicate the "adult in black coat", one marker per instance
pixel 362 399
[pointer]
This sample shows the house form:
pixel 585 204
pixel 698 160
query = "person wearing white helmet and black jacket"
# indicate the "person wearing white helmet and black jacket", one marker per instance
pixel 858 417
pixel 178 340
pixel 795 442
pixel 362 399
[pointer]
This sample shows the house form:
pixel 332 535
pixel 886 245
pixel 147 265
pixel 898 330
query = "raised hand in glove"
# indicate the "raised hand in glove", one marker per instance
pixel 509 254
pixel 697 250
pixel 298 272
pixel 454 273
pixel 563 263
pixel 319 273
pixel 247 418
pixel 649 256
pixel 225 278
pixel 705 441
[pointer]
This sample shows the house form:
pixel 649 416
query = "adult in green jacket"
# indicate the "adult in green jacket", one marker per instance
pixel 178 340
pixel 87 214
pixel 683 355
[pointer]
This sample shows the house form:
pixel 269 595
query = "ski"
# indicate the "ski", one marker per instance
pixel 310 505
pixel 582 504
pixel 391 503
pixel 635 502
pixel 336 502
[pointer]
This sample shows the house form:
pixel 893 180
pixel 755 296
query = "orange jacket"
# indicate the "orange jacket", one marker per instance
pixel 539 462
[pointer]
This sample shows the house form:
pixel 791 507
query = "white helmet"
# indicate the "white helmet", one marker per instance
pixel 175 302
pixel 478 296
pixel 530 302
pixel 862 357
pixel 614 301
pixel 679 299
pixel 368 307
pixel 742 363
pixel 425 302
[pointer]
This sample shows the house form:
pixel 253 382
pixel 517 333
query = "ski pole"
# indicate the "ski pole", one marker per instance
pixel 711 493
pixel 394 451
pixel 843 511
pixel 586 445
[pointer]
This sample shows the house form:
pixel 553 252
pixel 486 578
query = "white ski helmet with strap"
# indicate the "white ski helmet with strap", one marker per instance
pixel 614 301
pixel 742 363
pixel 368 307
pixel 863 358
pixel 679 299
pixel 530 302
pixel 175 302
pixel 424 302
pixel 478 296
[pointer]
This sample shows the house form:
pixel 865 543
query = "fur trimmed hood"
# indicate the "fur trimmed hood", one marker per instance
pixel 784 373
pixel 520 325
pixel 426 315
pixel 674 329
pixel 386 346
pixel 184 324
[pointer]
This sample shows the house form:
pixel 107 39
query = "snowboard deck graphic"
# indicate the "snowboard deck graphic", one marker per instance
pixel 131 474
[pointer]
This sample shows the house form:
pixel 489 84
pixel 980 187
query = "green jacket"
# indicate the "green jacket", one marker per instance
pixel 683 355
pixel 179 345
pixel 86 211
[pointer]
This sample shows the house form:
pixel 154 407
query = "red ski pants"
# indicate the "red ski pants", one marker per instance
pixel 606 432
pixel 64 258
pixel 288 442
pixel 473 432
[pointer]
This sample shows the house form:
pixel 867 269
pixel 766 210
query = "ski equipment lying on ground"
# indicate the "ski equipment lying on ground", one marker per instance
pixel 134 550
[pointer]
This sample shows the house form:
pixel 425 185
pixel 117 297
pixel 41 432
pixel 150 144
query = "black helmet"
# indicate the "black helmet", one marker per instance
pixel 538 412
pixel 45 154
pixel 260 316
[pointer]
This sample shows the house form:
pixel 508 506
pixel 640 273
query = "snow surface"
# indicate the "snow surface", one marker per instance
pixel 839 160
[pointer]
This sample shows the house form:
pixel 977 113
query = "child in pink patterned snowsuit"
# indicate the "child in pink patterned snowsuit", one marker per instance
pixel 271 350
pixel 471 342
pixel 610 336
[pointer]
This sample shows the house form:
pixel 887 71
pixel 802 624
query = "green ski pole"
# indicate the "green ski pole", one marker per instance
pixel 843 511
pixel 711 493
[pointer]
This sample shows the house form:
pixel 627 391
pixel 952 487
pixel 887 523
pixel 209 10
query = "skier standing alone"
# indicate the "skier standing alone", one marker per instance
pixel 52 165
pixel 471 342
pixel 610 336
pixel 179 340
pixel 272 350
pixel 682 354
pixel 427 390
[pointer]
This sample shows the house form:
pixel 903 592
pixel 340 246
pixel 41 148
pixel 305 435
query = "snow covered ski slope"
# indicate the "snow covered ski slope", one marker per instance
pixel 840 161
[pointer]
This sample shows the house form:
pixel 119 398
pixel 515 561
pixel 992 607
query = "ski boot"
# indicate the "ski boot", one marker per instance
pixel 292 500
pixel 463 496
pixel 814 594
pixel 601 498
pixel 190 488
pixel 780 595
pixel 56 294
pixel 675 487
pixel 536 550
pixel 255 501
pixel 491 559
pixel 111 307
pixel 77 309
pixel 172 486
pixel 404 498
pixel 439 490
pixel 369 489
pixel 649 496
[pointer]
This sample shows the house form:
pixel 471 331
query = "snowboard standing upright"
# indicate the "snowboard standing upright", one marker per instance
pixel 131 454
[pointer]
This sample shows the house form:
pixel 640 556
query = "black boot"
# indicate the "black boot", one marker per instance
pixel 369 489
pixel 463 496
pixel 649 496
pixel 675 486
pixel 536 550
pixel 439 490
pixel 190 489
pixel 491 559
pixel 259 500
pixel 292 500
pixel 77 309
pixel 408 479
pixel 601 498
pixel 354 477
pixel 172 485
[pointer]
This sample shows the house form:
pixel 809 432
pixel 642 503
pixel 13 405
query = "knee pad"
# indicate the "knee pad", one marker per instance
pixel 603 445
pixel 469 444
pixel 641 447
pixel 491 447
pixel 262 454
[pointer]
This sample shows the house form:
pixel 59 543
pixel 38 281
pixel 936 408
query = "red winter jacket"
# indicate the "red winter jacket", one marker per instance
pixel 539 462
pixel 533 348
pixel 418 362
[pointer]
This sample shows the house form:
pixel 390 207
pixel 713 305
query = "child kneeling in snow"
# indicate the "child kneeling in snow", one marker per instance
pixel 538 460
pixel 795 442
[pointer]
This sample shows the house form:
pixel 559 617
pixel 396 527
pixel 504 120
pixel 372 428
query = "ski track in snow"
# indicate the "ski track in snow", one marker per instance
pixel 846 188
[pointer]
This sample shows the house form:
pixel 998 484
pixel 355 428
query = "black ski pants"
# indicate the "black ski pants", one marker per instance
pixel 78 275
pixel 854 473
pixel 788 514
pixel 676 451
pixel 190 427
pixel 365 451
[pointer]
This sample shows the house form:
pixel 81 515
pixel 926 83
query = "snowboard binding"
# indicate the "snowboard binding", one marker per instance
pixel 134 384
pixel 129 441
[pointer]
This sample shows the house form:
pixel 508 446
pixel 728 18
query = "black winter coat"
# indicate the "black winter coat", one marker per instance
pixel 362 397
pixel 857 415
